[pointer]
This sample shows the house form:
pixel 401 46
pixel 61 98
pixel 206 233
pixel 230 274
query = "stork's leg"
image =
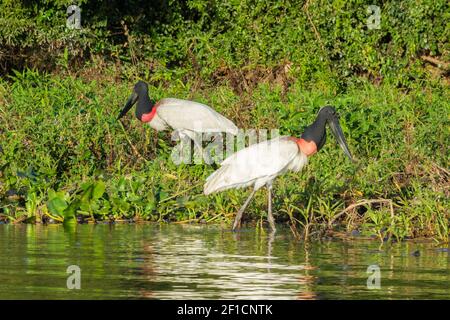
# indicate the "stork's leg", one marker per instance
pixel 269 208
pixel 237 220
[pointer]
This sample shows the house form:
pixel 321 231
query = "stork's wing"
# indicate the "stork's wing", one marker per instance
pixel 194 116
pixel 255 163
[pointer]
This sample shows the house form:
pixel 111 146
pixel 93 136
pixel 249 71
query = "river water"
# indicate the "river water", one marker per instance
pixel 146 261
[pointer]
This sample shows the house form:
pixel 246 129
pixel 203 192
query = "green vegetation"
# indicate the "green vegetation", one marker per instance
pixel 64 157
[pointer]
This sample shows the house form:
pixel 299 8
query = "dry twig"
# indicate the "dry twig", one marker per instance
pixel 361 203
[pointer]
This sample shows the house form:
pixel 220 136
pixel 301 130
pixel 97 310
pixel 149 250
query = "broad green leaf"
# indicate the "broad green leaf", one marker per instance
pixel 86 197
pixel 57 206
pixel 71 211
pixel 99 190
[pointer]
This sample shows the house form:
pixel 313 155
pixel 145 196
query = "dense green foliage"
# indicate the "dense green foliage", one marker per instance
pixel 170 39
pixel 70 142
pixel 263 64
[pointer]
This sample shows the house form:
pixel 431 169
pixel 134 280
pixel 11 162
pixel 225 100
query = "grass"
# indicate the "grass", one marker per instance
pixel 64 156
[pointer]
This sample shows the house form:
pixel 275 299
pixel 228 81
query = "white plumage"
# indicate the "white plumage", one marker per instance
pixel 189 116
pixel 257 165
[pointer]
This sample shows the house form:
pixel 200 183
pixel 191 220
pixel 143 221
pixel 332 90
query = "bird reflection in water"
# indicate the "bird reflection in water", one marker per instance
pixel 224 265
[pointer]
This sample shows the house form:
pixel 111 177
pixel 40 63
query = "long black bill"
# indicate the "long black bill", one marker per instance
pixel 339 135
pixel 131 101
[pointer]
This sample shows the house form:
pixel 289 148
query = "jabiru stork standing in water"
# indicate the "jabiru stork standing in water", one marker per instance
pixel 184 116
pixel 259 164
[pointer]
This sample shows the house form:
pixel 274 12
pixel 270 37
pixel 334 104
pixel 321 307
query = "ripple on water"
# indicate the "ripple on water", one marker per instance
pixel 183 262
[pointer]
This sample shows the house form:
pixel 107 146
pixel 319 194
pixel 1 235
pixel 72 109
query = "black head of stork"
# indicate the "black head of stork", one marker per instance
pixel 144 104
pixel 316 131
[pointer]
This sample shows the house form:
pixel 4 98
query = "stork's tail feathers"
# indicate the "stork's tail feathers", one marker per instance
pixel 223 179
pixel 234 130
pixel 229 127
pixel 217 181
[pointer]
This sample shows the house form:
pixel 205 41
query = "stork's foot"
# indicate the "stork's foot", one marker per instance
pixel 237 220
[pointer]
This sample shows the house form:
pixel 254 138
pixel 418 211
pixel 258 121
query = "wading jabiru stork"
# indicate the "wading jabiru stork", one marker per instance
pixel 184 116
pixel 259 164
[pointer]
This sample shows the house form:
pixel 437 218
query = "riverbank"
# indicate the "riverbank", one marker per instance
pixel 63 155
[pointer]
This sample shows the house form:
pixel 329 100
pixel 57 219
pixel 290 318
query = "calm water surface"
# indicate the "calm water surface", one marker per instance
pixel 207 262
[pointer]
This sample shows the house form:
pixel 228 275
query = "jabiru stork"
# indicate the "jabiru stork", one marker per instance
pixel 259 164
pixel 184 116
